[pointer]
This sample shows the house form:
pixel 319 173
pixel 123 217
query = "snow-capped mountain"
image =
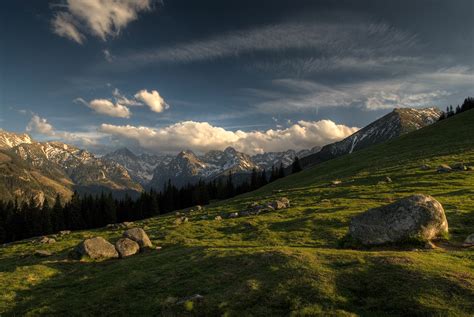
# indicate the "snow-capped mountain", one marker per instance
pixel 40 169
pixel 141 166
pixel 187 167
pixel 398 122
pixel 269 159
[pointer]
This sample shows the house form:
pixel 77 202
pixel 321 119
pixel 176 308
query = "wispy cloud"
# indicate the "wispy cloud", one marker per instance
pixel 360 39
pixel 414 90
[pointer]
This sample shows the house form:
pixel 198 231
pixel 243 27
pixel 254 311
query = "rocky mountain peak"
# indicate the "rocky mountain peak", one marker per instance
pixel 11 139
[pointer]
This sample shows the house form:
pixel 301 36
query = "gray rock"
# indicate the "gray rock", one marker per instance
pixel 336 182
pixel 460 167
pixel 425 167
pixel 139 236
pixel 443 168
pixel 42 253
pixel 192 298
pixel 413 217
pixel 388 179
pixel 126 247
pixel 64 232
pixel 181 220
pixel 469 242
pixel 97 248
pixel 233 215
pixel 244 213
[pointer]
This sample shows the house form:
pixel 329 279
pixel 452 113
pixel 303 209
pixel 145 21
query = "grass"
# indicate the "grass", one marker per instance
pixel 286 262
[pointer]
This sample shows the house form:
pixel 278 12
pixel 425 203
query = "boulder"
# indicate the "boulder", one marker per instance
pixel 139 236
pixel 414 217
pixel 469 242
pixel 42 253
pixel 126 247
pixel 218 218
pixel 97 248
pixel 443 168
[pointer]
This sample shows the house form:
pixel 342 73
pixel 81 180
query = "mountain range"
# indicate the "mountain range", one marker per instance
pixel 39 170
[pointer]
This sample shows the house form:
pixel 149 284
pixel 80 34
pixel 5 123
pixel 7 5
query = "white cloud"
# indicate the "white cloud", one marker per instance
pixel 123 100
pixel 101 18
pixel 202 136
pixel 106 107
pixel 152 99
pixel 41 126
pixel 64 25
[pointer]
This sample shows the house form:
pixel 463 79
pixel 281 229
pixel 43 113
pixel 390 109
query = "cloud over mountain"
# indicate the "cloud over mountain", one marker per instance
pixel 202 136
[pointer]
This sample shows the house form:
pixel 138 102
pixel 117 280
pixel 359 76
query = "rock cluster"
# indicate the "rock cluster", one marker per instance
pixel 132 241
pixel 414 217
pixel 255 208
pixel 444 168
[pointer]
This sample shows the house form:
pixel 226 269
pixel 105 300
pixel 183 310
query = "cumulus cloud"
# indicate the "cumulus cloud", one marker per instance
pixel 152 99
pixel 202 136
pixel 101 18
pixel 41 126
pixel 106 107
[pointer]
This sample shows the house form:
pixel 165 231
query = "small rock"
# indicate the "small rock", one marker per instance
pixel 158 248
pixel 430 246
pixel 244 213
pixel 177 214
pixel 181 220
pixel 42 253
pixel 233 215
pixel 336 182
pixel 139 236
pixel 388 179
pixel 425 167
pixel 127 224
pixel 64 232
pixel 111 226
pixel 277 204
pixel 469 242
pixel 325 201
pixel 218 218
pixel 193 298
pixel 286 201
pixel 198 208
pixel 126 247
pixel 460 167
pixel 46 240
pixel 97 248
pixel 443 168
pixel 203 217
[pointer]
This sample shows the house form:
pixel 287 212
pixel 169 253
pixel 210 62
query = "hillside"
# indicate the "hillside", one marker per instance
pixel 394 124
pixel 278 263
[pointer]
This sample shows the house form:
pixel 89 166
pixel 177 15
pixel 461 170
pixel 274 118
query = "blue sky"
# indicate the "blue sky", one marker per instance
pixel 257 75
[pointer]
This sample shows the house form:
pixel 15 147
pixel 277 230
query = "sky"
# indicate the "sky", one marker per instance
pixel 163 76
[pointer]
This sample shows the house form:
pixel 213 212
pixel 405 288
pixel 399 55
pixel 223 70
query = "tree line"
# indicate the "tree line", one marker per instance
pixel 468 104
pixel 28 219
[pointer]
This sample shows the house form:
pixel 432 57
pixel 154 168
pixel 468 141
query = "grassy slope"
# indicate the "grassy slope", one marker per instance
pixel 281 262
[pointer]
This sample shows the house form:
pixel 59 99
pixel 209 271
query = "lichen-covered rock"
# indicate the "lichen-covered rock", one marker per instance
pixel 413 217
pixel 139 236
pixel 96 248
pixel 126 247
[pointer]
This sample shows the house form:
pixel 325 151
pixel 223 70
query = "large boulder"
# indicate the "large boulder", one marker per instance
pixel 139 236
pixel 413 217
pixel 126 247
pixel 96 248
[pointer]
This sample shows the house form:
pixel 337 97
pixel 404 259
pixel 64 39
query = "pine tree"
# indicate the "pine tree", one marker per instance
pixel 296 167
